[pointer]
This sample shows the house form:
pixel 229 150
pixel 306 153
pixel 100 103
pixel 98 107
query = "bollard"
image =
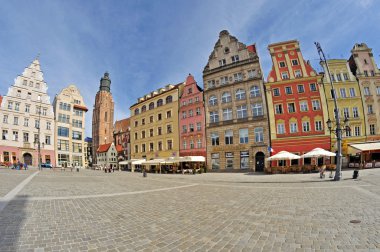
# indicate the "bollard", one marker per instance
pixel 355 175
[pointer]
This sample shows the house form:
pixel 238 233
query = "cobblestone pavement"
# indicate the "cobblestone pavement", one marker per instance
pixel 121 211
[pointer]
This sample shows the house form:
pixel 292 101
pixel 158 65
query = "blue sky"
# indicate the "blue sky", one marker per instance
pixel 147 44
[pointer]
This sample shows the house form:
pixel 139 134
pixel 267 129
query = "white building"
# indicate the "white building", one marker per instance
pixel 70 110
pixel 27 117
pixel 106 155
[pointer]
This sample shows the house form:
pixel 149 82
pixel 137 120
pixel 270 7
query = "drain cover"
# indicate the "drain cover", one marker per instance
pixel 355 221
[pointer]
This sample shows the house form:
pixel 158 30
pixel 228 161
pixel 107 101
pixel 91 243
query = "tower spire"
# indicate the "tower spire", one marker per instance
pixel 105 83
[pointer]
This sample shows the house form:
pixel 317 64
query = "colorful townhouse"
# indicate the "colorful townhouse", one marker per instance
pixel 296 104
pixel 350 105
pixel 236 115
pixel 192 120
pixel 363 66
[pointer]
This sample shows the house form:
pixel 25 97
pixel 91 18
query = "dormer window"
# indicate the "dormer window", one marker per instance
pixel 235 58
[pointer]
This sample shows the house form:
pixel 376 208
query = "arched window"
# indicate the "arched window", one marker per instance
pixel 169 99
pixel 151 105
pixel 226 97
pixel 160 102
pixel 137 111
pixel 240 94
pixel 143 109
pixel 255 91
pixel 213 100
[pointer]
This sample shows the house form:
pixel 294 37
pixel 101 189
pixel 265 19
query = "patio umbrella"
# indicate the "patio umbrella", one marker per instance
pixel 318 152
pixel 283 155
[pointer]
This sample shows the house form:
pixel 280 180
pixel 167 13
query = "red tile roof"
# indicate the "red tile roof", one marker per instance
pixel 119 148
pixel 103 147
pixel 122 125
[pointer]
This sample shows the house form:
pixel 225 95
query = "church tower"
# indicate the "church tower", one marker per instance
pixel 102 115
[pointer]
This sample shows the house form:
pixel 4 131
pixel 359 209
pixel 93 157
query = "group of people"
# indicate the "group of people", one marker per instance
pixel 18 165
pixel 109 169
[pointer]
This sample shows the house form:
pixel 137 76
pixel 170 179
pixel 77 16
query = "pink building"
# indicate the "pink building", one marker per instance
pixel 192 120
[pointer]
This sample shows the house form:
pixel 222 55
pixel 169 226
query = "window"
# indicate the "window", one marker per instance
pixel 244 160
pixel 372 73
pixel 355 112
pixel 377 90
pixel 291 107
pixel 26 137
pixel 211 83
pixel 151 119
pixel 278 108
pixel 346 113
pixel 159 117
pixel 241 111
pixel 184 144
pixel 63 118
pixel 15 135
pixel 222 62
pixel 199 127
pixel 316 105
pixel 191 144
pixel 4 135
pixel 10 105
pixel 169 128
pixel 229 160
pixel 136 123
pixel 365 73
pixel 366 91
pixel 63 131
pixel 303 106
pixel 352 92
pixel 372 129
pixel 24 82
pixel 190 113
pixel 36 124
pixel 332 77
pixel 259 135
pixel 282 64
pixel 168 114
pixel 348 133
pixel 198 111
pixel 370 109
pixel 47 140
pixel 257 109
pixel 235 58
pixel 238 77
pixel 213 100
pixel 143 134
pixel 184 128
pixel 136 136
pixel 136 149
pixel 77 135
pixel 357 130
pixel 160 146
pixel 280 128
pixel 151 105
pixel 343 93
pixel 228 137
pixel 297 73
pixel 190 101
pixel 169 99
pixel 159 131
pixel 17 106
pixel 294 62
pixel 240 94
pixel 30 83
pixel 170 144
pixel 143 109
pixel 63 145
pixel 227 114
pixel 26 122
pixel 183 114
pixel 318 126
pixel 305 126
pixel 199 143
pixel 338 77
pixel 345 76
pixel 196 99
pixel 313 87
pixel 143 149
pixel 5 119
pixel 27 108
pixel 300 88
pixel 77 123
pixel 243 136
pixel 78 112
pixel 293 127
pixel 251 74
pixel 44 111
pixel 284 75
pixel 215 161
pixel 48 125
pixel 255 91
pixel 276 92
pixel 214 117
pixel 77 101
pixel 160 102
pixel 214 139
pixel 151 147
pixel 191 127
pixel 224 80
pixel 64 106
pixel 226 97
pixel 288 90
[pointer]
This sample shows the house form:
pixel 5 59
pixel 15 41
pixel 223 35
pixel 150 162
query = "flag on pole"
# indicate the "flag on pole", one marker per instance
pixel 270 149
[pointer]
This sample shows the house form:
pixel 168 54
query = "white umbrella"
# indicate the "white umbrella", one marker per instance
pixel 283 155
pixel 318 152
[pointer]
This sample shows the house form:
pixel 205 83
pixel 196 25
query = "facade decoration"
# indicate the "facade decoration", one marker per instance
pixel 121 138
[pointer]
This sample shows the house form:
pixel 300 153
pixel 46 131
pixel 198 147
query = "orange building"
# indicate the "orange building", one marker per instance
pixel 296 104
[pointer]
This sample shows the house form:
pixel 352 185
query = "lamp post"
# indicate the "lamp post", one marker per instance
pixel 338 130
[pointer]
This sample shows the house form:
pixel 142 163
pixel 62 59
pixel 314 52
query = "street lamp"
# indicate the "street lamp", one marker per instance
pixel 338 130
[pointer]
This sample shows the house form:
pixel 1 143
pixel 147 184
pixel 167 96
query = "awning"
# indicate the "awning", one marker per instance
pixel 123 163
pixel 193 159
pixel 138 161
pixel 366 146
pixel 153 162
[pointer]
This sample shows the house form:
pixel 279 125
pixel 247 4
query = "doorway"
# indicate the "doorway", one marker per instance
pixel 28 159
pixel 260 161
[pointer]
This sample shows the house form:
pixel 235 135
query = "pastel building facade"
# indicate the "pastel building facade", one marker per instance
pixel 154 126
pixel 237 132
pixel 106 156
pixel 363 66
pixel 296 103
pixel 24 109
pixel 192 120
pixel 70 113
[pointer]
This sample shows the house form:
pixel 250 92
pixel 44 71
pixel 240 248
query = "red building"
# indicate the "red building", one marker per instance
pixel 296 103
pixel 192 120
pixel 121 138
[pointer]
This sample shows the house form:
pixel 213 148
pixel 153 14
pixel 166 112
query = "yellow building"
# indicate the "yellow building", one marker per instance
pixel 154 124
pixel 350 104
